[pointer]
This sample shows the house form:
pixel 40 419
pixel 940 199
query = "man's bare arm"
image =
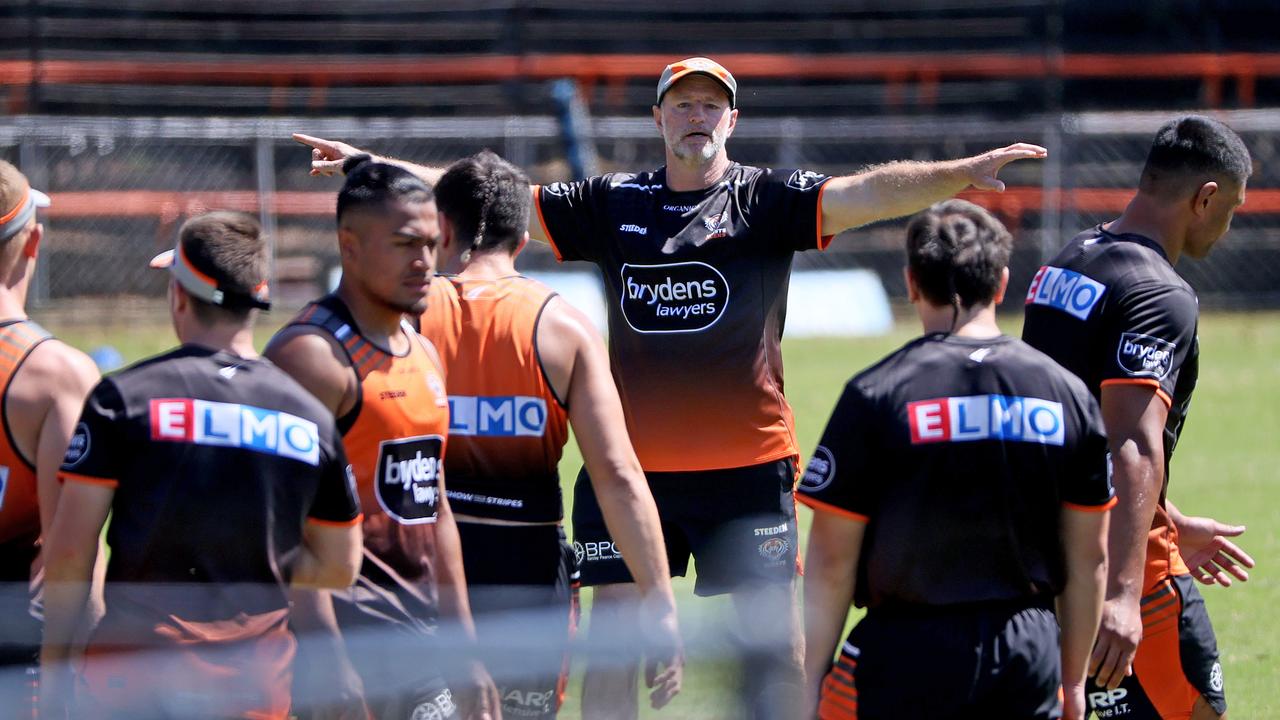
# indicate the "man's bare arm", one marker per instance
pixel 317 363
pixel 831 567
pixel 1084 538
pixel 577 364
pixel 1134 416
pixel 901 188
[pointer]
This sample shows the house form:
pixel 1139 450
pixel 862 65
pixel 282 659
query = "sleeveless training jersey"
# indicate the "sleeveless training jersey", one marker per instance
pixel 697 283
pixel 959 454
pixel 19 505
pixel 395 439
pixel 1111 309
pixel 507 428
pixel 216 462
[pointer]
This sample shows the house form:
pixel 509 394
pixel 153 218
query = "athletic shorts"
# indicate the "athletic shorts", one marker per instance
pixel 739 524
pixel 523 585
pixel 970 662
pixel 1177 660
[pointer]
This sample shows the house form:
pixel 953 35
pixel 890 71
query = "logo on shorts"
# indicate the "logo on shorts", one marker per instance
pixel 437 708
pixel 1106 703
pixel 820 471
pixel 1065 290
pixel 78 448
pixel 768 531
pixel 673 297
pixel 1215 677
pixel 773 549
pixel 805 180
pixel 1145 356
pixel 407 481
pixel 528 703
pixel 596 551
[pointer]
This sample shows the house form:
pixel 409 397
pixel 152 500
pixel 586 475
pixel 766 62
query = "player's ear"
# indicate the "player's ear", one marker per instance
pixel 913 290
pixel 657 117
pixel 1002 288
pixel 733 123
pixel 31 248
pixel 347 242
pixel 1206 192
pixel 524 240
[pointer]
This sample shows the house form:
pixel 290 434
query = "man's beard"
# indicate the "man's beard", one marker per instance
pixel 707 151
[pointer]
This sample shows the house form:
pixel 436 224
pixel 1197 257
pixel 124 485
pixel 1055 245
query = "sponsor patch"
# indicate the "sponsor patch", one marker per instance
pixel 596 551
pixel 203 422
pixel 820 471
pixel 986 417
pixel 1145 356
pixel 770 531
pixel 527 703
pixel 497 416
pixel 407 481
pixel 679 208
pixel 78 448
pixel 1215 677
pixel 1109 703
pixel 1065 290
pixel 673 297
pixel 805 180
pixel 633 228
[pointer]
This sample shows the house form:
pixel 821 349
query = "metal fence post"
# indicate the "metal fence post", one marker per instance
pixel 264 162
pixel 1051 185
pixel 31 162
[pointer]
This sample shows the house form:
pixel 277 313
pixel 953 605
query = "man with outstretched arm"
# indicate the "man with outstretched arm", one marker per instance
pixel 521 365
pixel 1111 309
pixel 697 258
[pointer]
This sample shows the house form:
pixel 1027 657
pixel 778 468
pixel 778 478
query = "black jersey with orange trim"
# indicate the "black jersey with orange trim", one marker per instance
pixel 507 428
pixel 1111 309
pixel 19 504
pixel 698 286
pixel 395 438
pixel 960 454
pixel 217 462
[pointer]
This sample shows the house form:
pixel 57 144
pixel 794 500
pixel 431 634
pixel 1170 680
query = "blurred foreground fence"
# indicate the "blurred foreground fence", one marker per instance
pixel 121 186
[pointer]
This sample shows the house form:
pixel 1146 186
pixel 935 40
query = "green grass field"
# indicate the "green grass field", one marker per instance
pixel 1225 467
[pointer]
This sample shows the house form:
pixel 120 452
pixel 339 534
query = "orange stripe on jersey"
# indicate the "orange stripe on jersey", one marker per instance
pixel 823 240
pixel 337 524
pixel 537 207
pixel 1164 396
pixel 825 507
pixel 88 479
pixel 1092 508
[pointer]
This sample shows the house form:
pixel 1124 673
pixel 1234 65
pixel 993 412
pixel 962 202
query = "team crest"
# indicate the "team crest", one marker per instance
pixel 774 548
pixel 437 389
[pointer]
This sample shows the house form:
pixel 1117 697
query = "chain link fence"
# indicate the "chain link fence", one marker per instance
pixel 122 186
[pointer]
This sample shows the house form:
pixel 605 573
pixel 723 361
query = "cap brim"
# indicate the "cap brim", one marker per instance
pixel 39 199
pixel 163 260
pixel 677 77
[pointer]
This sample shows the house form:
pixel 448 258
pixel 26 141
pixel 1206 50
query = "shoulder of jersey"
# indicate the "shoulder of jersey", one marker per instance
pixel 890 365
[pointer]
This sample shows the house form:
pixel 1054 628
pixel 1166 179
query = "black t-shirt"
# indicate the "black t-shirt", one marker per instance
pixel 697 283
pixel 960 454
pixel 217 462
pixel 1111 309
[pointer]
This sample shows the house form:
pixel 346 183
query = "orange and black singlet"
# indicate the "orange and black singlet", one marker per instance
pixel 507 428
pixel 19 506
pixel 395 440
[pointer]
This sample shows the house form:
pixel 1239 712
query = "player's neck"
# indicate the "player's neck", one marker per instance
pixel 978 321
pixel 696 174
pixel 236 339
pixel 1153 221
pixel 13 294
pixel 378 322
pixel 489 266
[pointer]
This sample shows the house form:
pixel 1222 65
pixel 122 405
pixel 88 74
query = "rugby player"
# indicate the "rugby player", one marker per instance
pixel 1111 309
pixel 226 482
pixel 697 257
pixel 960 486
pixel 521 364
pixel 43 384
pixel 356 352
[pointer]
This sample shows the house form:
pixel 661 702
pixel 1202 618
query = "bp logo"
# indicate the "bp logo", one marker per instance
pixel 673 297
pixel 820 471
pixel 774 548
pixel 407 482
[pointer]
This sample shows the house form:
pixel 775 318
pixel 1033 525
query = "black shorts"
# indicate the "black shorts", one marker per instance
pixel 970 662
pixel 1177 660
pixel 739 524
pixel 522 582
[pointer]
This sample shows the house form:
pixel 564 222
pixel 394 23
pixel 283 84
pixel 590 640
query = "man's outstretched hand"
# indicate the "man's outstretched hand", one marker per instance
pixel 1212 558
pixel 327 156
pixel 983 169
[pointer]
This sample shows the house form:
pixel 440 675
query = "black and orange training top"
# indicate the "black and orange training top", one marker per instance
pixel 1111 309
pixel 395 440
pixel 19 504
pixel 697 286
pixel 960 454
pixel 507 428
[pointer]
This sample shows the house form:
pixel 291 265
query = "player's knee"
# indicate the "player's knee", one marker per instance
pixel 1202 710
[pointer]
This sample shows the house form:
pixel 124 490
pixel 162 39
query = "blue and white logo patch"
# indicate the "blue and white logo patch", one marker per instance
pixel 1066 290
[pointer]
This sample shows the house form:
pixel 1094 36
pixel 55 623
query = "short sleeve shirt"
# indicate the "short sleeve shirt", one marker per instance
pixel 960 455
pixel 217 462
pixel 697 286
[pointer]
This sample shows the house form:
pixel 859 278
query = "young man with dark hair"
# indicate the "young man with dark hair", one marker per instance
pixel 959 489
pixel 1111 309
pixel 226 483
pixel 43 384
pixel 697 258
pixel 380 648
pixel 521 365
